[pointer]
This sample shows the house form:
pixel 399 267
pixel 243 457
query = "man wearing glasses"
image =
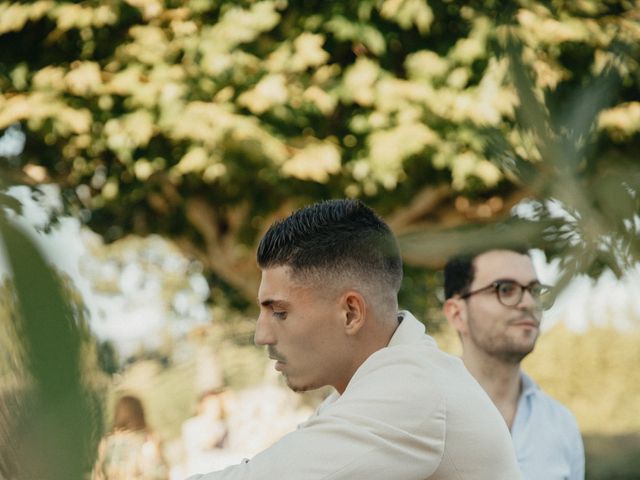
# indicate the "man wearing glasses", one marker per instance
pixel 495 302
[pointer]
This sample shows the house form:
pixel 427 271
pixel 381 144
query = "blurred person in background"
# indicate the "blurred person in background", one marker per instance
pixel 205 435
pixel 494 301
pixel 129 451
pixel 402 409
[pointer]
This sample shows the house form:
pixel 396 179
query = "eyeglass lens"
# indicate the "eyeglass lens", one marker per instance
pixel 511 293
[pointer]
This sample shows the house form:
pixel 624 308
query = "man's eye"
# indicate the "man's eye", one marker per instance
pixel 507 288
pixel 280 315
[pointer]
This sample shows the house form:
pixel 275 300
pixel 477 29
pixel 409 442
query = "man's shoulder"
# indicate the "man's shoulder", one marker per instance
pixel 557 408
pixel 409 371
pixel 415 372
pixel 397 362
pixel 556 412
pixel 423 354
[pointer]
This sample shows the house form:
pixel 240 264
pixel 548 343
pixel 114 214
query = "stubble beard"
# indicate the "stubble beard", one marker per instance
pixel 501 346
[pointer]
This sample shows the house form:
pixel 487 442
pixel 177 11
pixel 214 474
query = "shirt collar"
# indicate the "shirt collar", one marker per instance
pixel 408 331
pixel 529 387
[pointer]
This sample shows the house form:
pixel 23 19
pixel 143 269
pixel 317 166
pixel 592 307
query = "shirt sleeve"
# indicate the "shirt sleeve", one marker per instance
pixel 331 449
pixel 385 426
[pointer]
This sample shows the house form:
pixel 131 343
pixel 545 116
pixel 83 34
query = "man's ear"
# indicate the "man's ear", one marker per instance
pixel 456 314
pixel 355 312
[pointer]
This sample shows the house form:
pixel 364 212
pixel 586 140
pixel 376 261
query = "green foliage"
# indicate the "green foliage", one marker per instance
pixel 419 294
pixel 52 409
pixel 204 121
pixel 12 368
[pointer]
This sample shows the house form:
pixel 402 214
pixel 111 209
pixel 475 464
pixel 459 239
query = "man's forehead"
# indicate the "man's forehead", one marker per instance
pixel 496 264
pixel 274 278
pixel 279 283
pixel 285 284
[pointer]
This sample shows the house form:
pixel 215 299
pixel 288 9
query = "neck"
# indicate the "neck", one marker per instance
pixel 369 340
pixel 501 381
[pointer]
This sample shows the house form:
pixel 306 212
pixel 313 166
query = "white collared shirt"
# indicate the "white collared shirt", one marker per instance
pixel 410 412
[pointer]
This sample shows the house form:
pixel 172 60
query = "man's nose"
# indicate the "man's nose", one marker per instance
pixel 527 302
pixel 263 334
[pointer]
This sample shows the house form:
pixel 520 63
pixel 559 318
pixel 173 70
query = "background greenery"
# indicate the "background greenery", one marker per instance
pixel 203 121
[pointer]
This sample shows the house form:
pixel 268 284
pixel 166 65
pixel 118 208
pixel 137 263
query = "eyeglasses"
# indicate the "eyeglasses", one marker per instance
pixel 510 293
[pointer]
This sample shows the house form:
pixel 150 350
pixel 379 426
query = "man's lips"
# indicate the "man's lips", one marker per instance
pixel 525 322
pixel 273 355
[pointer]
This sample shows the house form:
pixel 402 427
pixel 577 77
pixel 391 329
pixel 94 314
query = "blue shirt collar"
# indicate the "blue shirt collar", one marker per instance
pixel 529 387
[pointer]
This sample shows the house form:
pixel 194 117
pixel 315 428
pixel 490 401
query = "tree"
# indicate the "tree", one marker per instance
pixel 204 121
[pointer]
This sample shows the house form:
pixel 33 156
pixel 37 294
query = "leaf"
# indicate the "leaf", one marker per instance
pixel 622 121
pixel 357 32
pixel 408 13
pixel 433 247
pixel 308 52
pixel 316 162
pixel 11 203
pixel 270 91
pixel 59 423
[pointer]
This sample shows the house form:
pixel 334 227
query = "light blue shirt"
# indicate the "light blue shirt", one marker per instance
pixel 546 437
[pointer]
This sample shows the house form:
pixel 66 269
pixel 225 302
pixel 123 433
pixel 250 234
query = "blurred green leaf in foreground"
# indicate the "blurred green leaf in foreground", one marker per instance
pixel 48 417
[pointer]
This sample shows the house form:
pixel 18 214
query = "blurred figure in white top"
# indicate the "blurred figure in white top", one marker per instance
pixel 205 436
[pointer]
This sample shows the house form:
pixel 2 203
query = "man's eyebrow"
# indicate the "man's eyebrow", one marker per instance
pixel 274 303
pixel 507 279
pixel 512 279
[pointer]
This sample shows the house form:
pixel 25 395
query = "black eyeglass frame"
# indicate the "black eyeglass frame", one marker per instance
pixel 537 297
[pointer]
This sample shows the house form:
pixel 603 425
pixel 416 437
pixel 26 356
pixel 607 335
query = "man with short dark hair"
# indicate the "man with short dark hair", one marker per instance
pixel 495 301
pixel 402 409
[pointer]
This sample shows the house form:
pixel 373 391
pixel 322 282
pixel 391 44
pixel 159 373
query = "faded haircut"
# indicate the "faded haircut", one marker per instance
pixel 334 239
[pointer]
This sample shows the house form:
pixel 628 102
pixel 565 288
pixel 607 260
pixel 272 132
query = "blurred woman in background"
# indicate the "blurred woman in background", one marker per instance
pixel 129 451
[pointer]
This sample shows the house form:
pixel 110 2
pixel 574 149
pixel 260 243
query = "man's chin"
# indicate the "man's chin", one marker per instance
pixel 516 354
pixel 299 387
pixel 525 341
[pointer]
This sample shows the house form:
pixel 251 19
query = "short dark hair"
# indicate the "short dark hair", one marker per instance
pixel 336 236
pixel 459 271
